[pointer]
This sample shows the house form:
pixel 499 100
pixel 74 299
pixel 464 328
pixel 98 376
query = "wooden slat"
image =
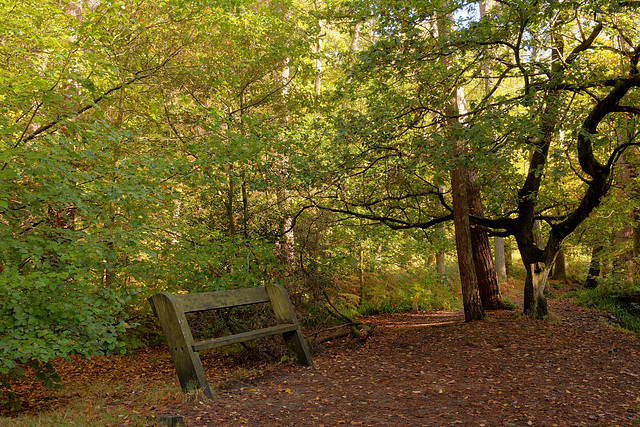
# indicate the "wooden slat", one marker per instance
pixel 245 336
pixel 222 299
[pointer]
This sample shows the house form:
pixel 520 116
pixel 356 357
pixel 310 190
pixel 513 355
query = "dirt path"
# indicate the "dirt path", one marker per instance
pixel 433 370
pixel 417 369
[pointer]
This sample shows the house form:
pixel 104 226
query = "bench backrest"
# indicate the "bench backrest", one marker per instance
pixel 222 299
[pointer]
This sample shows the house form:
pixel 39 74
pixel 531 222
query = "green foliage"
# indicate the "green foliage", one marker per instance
pixel 409 292
pixel 49 315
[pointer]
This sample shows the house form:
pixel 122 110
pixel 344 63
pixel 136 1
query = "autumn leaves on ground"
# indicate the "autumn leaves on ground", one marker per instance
pixel 424 368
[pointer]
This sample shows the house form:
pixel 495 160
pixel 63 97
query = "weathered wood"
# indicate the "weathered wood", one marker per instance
pixel 170 310
pixel 245 336
pixel 285 313
pixel 180 341
pixel 204 301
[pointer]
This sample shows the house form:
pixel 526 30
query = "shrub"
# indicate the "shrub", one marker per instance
pixel 55 314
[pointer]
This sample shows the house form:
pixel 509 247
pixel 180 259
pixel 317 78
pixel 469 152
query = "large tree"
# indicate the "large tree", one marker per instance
pixel 543 139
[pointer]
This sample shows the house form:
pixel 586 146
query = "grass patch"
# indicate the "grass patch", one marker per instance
pixel 91 406
pixel 621 301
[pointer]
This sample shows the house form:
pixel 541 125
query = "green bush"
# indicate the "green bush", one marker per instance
pixel 49 315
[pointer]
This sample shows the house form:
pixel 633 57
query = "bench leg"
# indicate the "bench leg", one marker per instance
pixel 298 344
pixel 284 312
pixel 176 330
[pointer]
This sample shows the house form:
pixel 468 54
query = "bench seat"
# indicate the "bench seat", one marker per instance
pixel 245 336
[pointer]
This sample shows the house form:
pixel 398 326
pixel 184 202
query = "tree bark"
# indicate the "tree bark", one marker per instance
pixel 559 267
pixel 229 202
pixel 440 260
pixel 472 302
pixel 473 307
pixel 508 256
pixel 536 282
pixel 485 269
pixel 245 206
pixel 456 107
pixel 287 242
pixel 594 268
pixel 500 258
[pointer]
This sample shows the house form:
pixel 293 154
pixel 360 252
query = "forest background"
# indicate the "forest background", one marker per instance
pixel 356 152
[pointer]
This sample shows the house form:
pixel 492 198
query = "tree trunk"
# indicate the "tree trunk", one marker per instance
pixel 559 267
pixel 485 270
pixel 470 293
pixel 594 268
pixel 537 264
pixel 508 256
pixel 473 309
pixel 245 206
pixel 229 202
pixel 440 260
pixel 287 243
pixel 636 244
pixel 500 258
pixel 537 280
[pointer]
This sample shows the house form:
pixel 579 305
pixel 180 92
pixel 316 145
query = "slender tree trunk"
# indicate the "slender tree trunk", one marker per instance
pixel 229 202
pixel 287 243
pixel 508 256
pixel 636 243
pixel 112 255
pixel 440 260
pixel 559 267
pixel 353 46
pixel 624 235
pixel 245 206
pixel 500 258
pixel 361 271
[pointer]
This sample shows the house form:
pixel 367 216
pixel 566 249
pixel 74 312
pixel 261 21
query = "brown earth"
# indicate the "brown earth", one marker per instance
pixel 416 369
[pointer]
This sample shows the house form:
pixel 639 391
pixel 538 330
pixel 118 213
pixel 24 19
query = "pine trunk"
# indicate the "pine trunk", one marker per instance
pixel 485 269
pixel 472 302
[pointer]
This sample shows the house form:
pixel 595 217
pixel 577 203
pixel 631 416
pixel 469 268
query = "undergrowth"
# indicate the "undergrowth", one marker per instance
pixel 401 292
pixel 620 299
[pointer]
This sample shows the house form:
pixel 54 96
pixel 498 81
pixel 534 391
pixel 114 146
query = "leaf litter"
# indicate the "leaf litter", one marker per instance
pixel 416 369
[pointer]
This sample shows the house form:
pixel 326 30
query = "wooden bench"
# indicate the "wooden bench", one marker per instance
pixel 171 309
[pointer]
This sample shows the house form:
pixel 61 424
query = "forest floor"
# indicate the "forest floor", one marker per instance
pixel 416 369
